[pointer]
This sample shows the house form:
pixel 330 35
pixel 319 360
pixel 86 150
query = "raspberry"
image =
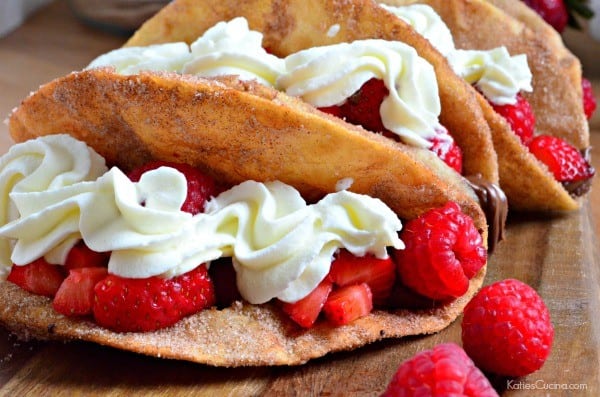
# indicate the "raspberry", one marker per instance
pixel 200 186
pixel 563 160
pixel 362 107
pixel 506 329
pixel 448 151
pixel 445 370
pixel 589 101
pixel 520 117
pixel 148 304
pixel 443 251
pixel 554 12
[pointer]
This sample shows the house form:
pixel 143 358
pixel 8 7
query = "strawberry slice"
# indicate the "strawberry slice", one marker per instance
pixel 306 310
pixel 147 304
pixel 348 303
pixel 75 297
pixel 379 274
pixel 38 277
pixel 82 256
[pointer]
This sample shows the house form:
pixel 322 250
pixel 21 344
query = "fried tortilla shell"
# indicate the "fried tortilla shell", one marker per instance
pixel 294 25
pixel 527 182
pixel 235 131
pixel 557 98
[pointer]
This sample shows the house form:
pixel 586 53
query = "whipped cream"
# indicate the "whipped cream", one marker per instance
pixel 44 164
pixel 168 57
pixel 497 74
pixel 231 48
pixel 426 22
pixel 281 247
pixel 328 75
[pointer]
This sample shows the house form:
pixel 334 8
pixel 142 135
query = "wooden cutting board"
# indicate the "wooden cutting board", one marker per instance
pixel 557 256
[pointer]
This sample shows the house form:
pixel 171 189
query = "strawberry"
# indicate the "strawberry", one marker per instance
pixel 519 116
pixel 379 274
pixel 125 304
pixel 75 296
pixel 82 256
pixel 348 303
pixel 306 310
pixel 362 107
pixel 200 186
pixel 562 159
pixel 38 277
pixel 589 100
pixel 553 12
pixel 448 151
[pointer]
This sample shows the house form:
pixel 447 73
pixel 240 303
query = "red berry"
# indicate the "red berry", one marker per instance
pixel 445 370
pixel 75 296
pixel 125 304
pixel 199 185
pixel 379 274
pixel 554 12
pixel 82 256
pixel 306 310
pixel 506 329
pixel 362 107
pixel 589 100
pixel 562 159
pixel 448 151
pixel 38 277
pixel 520 117
pixel 346 304
pixel 443 252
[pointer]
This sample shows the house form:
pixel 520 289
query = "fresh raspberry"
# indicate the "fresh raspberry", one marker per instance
pixel 362 107
pixel 200 186
pixel 445 370
pixel 506 329
pixel 520 117
pixel 563 160
pixel 589 100
pixel 448 151
pixel 554 12
pixel 443 251
pixel 148 304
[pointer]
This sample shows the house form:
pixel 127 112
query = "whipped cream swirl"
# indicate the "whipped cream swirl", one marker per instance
pixel 231 48
pixel 328 75
pixel 44 164
pixel 281 246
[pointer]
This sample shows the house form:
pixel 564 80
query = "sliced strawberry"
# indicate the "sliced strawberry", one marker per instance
pixel 362 107
pixel 38 277
pixel 148 304
pixel 82 256
pixel 379 274
pixel 75 297
pixel 223 276
pixel 348 303
pixel 306 310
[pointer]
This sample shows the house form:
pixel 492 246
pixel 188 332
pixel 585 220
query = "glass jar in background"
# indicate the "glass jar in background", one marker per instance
pixel 116 16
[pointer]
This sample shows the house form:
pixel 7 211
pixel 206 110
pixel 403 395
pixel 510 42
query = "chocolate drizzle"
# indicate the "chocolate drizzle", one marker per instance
pixel 495 206
pixel 579 188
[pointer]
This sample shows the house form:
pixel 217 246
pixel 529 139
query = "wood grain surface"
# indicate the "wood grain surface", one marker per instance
pixel 557 255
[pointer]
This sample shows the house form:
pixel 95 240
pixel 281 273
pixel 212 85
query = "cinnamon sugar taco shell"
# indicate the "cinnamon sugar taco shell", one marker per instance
pixel 235 131
pixel 296 25
pixel 555 99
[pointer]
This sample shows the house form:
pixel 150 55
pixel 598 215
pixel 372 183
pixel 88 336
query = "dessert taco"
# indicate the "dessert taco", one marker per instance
pixel 549 79
pixel 322 34
pixel 254 243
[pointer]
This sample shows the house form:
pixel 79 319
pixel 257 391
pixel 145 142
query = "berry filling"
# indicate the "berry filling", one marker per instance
pixel 351 289
pixel 362 108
